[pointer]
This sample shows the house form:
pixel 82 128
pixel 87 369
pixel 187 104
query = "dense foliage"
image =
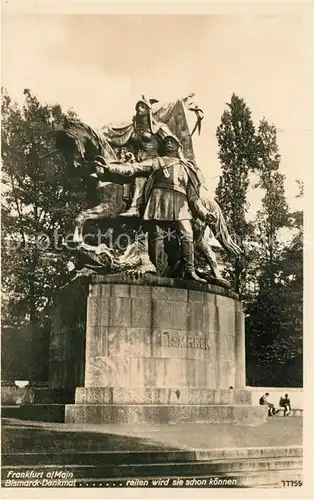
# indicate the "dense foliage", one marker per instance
pixel 39 202
pixel 270 276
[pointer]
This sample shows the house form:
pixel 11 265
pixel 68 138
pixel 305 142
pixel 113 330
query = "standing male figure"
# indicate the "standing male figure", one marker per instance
pixel 171 195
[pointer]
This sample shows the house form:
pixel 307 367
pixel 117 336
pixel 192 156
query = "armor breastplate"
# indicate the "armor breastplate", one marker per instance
pixel 171 175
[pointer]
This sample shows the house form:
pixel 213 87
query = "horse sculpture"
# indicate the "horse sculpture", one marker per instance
pixel 81 146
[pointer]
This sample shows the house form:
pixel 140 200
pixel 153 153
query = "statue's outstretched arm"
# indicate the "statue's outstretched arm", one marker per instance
pixel 129 170
pixel 143 169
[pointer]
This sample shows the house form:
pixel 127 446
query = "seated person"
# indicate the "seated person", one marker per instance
pixel 285 403
pixel 263 401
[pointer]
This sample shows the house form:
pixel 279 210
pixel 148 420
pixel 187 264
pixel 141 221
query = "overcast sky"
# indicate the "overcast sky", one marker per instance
pixel 101 64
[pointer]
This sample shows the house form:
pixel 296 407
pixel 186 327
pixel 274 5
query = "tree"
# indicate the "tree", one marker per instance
pixel 274 323
pixel 273 215
pixel 289 345
pixel 237 154
pixel 271 344
pixel 39 202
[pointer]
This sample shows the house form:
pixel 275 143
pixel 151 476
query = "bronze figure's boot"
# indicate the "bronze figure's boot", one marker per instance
pixel 133 211
pixel 190 274
pixel 188 251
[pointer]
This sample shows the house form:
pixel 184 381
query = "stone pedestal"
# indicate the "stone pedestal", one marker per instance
pixel 157 336
pixel 160 350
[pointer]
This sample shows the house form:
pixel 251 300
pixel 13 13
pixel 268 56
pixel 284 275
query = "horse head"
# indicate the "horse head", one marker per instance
pixel 80 145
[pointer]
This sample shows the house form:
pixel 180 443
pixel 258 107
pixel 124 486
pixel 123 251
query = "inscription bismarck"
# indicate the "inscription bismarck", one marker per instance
pixel 177 340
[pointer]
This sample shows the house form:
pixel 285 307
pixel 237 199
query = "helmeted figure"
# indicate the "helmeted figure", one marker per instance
pixel 143 137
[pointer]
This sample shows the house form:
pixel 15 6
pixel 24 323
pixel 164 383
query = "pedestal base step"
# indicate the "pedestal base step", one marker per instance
pixel 111 458
pixel 176 469
pixel 164 414
pixel 162 395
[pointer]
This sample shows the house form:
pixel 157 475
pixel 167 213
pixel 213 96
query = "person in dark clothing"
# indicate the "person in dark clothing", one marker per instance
pixel 263 401
pixel 285 403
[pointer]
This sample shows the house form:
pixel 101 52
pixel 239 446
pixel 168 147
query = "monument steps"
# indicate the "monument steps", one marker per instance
pixel 161 395
pixel 143 457
pixel 174 469
pixel 138 413
pixel 99 458
pixel 56 412
pixel 164 414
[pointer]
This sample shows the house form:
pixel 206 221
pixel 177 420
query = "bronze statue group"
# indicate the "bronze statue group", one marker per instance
pixel 163 189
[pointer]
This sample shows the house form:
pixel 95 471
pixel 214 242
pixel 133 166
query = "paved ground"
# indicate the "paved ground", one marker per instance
pixel 278 431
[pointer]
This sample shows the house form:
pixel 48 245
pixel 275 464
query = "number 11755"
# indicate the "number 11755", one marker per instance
pixel 291 483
